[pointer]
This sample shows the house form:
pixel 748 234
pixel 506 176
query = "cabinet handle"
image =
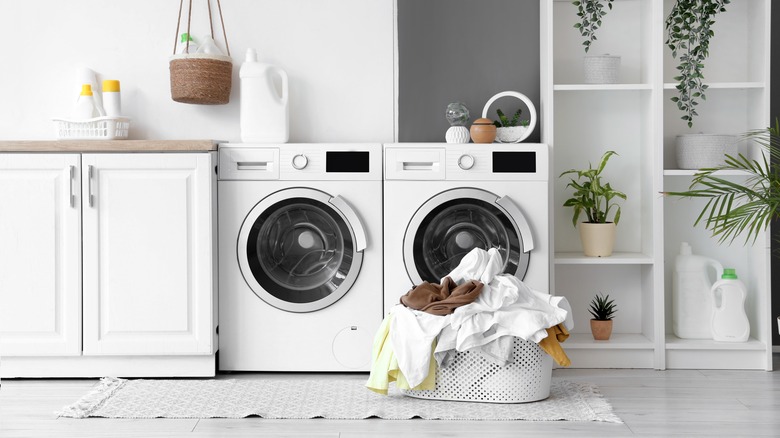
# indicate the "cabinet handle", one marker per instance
pixel 89 193
pixel 70 185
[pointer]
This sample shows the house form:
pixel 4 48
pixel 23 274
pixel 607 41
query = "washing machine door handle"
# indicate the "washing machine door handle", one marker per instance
pixel 353 220
pixel 519 218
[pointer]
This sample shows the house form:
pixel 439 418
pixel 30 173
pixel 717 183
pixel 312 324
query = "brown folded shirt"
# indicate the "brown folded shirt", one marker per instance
pixel 441 299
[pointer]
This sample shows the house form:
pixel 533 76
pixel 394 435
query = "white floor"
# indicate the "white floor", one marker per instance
pixel 651 403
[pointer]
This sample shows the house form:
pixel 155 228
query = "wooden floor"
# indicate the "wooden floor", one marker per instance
pixel 651 403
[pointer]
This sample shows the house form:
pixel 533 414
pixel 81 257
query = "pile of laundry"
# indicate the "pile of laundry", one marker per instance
pixel 474 308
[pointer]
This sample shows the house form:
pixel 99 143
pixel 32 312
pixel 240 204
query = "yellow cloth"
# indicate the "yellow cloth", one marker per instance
pixel 384 365
pixel 551 344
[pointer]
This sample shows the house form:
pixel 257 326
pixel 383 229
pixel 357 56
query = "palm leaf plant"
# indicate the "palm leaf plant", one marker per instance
pixel 592 195
pixel 734 208
pixel 602 308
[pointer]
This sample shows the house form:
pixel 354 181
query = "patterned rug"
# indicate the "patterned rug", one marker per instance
pixel 330 397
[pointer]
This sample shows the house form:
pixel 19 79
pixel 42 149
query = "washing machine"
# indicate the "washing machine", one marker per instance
pixel 443 200
pixel 300 256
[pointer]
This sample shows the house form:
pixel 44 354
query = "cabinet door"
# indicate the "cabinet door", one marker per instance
pixel 147 254
pixel 40 255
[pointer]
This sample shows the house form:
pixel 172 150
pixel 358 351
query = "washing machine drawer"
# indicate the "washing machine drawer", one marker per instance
pixel 248 164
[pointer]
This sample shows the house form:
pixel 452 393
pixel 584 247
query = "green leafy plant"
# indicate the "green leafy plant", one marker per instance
pixel 592 195
pixel 504 122
pixel 590 13
pixel 602 308
pixel 733 208
pixel 689 30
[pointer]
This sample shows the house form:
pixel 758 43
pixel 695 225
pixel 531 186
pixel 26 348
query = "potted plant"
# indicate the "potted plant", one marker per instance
pixel 510 130
pixel 602 309
pixel 733 208
pixel 590 12
pixel 596 199
pixel 689 29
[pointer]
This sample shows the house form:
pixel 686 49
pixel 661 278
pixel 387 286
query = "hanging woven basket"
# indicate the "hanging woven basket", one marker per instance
pixel 202 79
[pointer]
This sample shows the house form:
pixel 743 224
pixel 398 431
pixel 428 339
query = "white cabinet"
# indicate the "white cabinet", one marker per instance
pixel 40 255
pixel 636 118
pixel 119 257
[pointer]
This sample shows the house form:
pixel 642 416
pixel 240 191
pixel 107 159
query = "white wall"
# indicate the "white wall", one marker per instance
pixel 337 53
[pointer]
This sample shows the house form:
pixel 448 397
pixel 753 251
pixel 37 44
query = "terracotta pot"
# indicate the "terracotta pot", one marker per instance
pixel 601 330
pixel 483 131
pixel 597 239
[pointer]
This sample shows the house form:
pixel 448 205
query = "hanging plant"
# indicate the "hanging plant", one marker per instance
pixel 689 29
pixel 590 13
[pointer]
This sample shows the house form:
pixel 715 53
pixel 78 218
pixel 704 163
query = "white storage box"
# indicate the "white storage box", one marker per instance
pixel 470 377
pixel 699 151
pixel 98 128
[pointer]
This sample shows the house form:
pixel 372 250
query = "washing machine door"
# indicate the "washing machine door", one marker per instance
pixel 301 249
pixel 449 225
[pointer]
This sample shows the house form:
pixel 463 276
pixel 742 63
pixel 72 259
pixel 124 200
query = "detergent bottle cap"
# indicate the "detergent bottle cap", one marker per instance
pixel 729 274
pixel 685 249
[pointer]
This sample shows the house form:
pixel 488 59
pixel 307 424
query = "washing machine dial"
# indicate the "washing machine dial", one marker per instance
pixel 466 161
pixel 299 162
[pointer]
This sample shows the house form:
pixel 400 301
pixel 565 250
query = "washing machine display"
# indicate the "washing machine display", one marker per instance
pixel 452 223
pixel 298 252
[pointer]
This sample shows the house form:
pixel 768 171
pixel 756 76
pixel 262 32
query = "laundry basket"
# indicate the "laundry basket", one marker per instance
pixel 470 377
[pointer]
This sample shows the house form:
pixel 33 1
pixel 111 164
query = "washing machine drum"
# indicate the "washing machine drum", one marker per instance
pixel 452 223
pixel 300 250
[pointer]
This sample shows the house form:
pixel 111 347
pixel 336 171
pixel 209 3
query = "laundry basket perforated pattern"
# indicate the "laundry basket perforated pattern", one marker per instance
pixel 470 377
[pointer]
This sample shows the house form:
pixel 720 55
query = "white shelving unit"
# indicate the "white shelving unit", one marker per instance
pixel 635 118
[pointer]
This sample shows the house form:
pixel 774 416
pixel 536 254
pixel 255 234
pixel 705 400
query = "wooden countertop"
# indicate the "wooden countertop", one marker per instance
pixel 108 146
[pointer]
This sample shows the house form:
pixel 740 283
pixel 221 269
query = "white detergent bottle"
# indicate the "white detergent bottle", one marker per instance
pixel 729 321
pixel 692 294
pixel 264 97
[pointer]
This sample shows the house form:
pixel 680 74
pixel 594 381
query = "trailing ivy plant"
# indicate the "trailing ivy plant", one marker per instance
pixel 689 30
pixel 590 12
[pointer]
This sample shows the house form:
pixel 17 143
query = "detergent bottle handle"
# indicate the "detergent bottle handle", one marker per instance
pixel 714 264
pixel 283 75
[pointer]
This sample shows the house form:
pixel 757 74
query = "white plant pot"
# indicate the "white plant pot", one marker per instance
pixel 597 239
pixel 512 134
pixel 698 151
pixel 457 134
pixel 601 69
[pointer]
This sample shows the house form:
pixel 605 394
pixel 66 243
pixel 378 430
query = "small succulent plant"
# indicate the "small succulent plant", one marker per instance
pixel 504 122
pixel 602 308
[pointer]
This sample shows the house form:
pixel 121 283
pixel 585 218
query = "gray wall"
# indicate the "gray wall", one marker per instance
pixel 464 51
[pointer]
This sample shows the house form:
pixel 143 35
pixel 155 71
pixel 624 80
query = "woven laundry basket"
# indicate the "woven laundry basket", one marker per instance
pixel 470 377
pixel 601 69
pixel 699 151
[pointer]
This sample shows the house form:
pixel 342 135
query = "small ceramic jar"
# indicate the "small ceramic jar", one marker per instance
pixel 483 131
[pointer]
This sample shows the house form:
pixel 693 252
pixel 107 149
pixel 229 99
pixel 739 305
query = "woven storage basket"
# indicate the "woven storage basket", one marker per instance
pixel 601 69
pixel 201 79
pixel 470 377
pixel 699 151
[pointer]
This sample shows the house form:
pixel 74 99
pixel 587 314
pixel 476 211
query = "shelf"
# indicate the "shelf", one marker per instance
pixel 692 172
pixel 723 85
pixel 617 258
pixel 618 341
pixel 675 343
pixel 601 87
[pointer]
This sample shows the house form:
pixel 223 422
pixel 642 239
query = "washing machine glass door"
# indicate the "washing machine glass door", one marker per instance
pixel 454 222
pixel 300 249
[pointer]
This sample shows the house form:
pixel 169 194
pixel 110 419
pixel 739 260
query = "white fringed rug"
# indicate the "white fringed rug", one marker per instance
pixel 329 397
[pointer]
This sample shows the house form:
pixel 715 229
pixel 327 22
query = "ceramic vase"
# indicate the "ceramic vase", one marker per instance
pixel 457 134
pixel 597 239
pixel 601 330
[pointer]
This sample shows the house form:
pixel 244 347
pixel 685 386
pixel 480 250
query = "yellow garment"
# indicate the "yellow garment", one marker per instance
pixel 551 344
pixel 384 365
